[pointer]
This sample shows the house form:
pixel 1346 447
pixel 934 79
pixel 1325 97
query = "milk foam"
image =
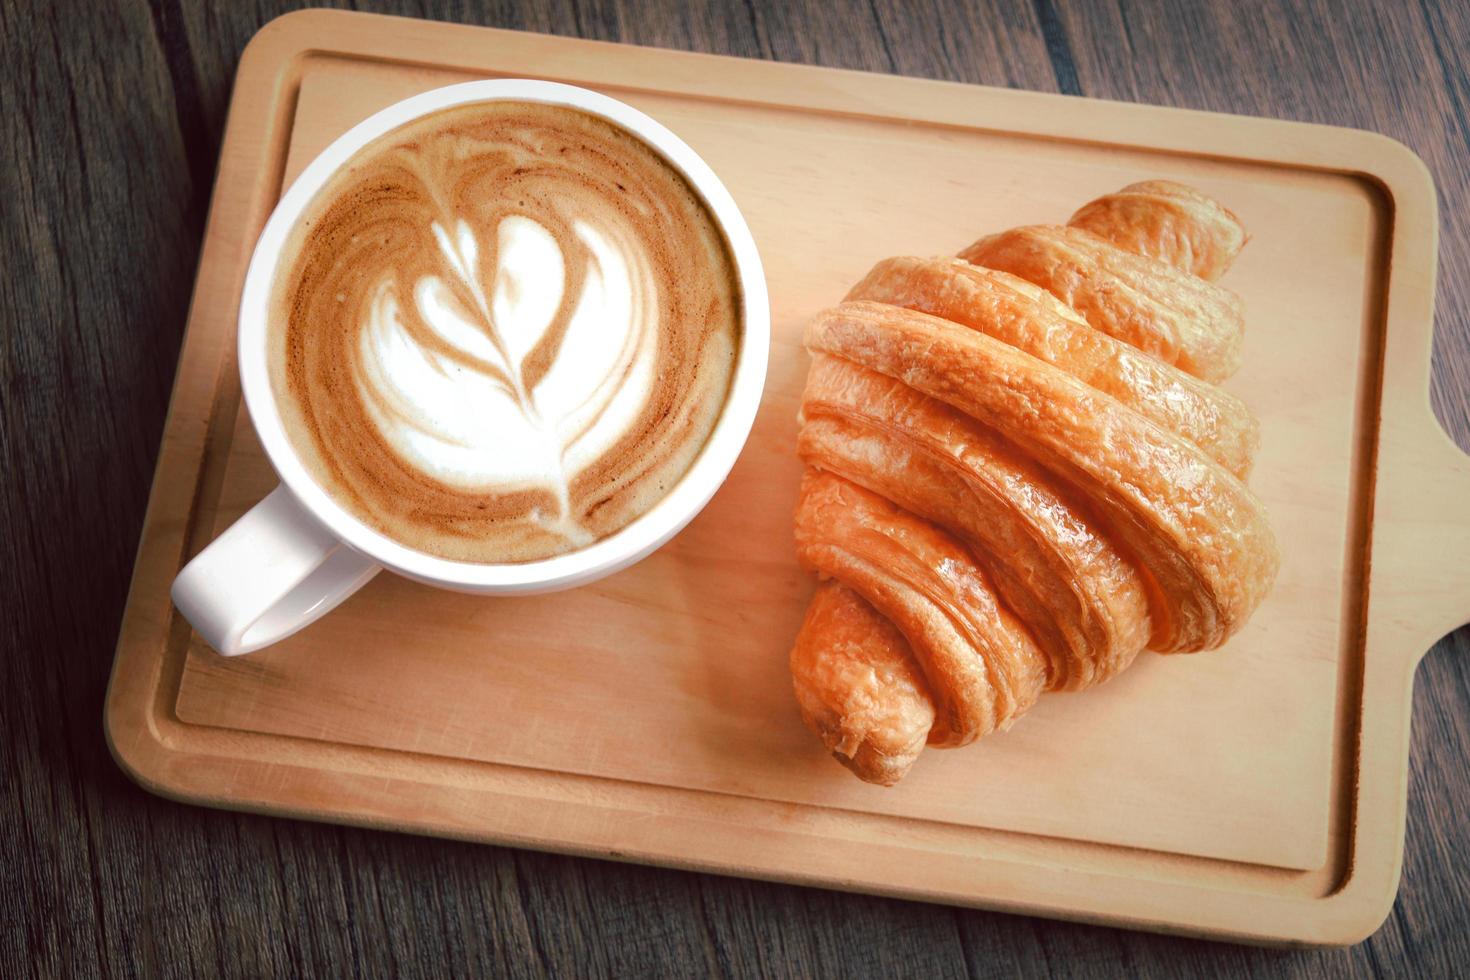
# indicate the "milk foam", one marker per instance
pixel 475 429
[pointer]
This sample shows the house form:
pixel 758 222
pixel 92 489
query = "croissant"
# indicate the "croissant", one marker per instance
pixel 1003 497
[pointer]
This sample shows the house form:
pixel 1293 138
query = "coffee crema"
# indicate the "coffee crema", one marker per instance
pixel 503 331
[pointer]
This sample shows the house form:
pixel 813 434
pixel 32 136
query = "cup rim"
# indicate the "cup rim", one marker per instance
pixel 621 548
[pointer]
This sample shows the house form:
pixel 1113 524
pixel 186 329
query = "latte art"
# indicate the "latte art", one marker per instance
pixel 503 331
pixel 451 386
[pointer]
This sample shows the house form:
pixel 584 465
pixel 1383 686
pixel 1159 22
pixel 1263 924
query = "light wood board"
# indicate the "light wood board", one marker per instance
pixel 1254 792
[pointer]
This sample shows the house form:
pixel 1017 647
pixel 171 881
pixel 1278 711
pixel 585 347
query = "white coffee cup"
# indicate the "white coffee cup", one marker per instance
pixel 298 553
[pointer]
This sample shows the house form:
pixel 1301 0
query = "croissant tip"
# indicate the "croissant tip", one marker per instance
pixel 887 775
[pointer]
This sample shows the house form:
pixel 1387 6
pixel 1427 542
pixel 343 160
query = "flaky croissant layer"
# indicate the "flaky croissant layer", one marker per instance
pixel 1020 475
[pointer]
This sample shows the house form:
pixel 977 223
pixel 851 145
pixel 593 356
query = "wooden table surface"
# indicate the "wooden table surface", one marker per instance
pixel 110 123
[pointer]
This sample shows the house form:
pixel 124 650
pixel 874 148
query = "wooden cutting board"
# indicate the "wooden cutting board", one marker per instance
pixel 1256 792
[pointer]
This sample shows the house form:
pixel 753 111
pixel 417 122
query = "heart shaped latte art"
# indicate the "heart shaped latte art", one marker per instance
pixel 477 408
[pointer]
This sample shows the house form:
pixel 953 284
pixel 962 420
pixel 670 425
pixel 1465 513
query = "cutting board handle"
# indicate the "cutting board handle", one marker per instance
pixel 1445 494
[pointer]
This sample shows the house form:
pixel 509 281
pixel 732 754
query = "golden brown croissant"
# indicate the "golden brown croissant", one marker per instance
pixel 1174 315
pixel 1004 499
pixel 1171 222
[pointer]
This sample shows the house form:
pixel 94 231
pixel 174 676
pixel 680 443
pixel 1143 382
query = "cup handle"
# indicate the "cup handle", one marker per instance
pixel 272 572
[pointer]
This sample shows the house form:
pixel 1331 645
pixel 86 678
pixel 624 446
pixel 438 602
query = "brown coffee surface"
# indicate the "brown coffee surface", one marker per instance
pixel 503 331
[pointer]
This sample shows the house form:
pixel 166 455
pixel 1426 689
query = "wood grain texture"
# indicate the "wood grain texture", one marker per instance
pixel 111 121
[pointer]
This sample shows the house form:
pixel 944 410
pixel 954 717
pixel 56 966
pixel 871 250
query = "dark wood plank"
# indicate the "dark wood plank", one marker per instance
pixel 110 118
pixel 98 252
